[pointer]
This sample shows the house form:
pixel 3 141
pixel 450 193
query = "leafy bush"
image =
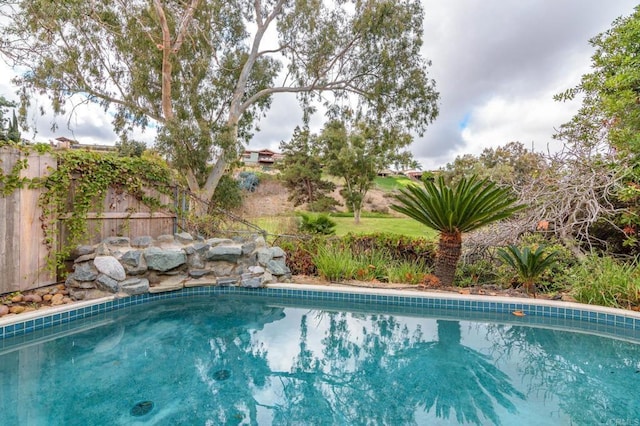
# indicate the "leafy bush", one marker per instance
pixel 299 254
pixel 323 204
pixel 606 281
pixel 398 247
pixel 479 272
pixel 316 224
pixel 248 181
pixel 227 194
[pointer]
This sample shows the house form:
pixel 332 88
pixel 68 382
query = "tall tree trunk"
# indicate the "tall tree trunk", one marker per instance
pixel 449 251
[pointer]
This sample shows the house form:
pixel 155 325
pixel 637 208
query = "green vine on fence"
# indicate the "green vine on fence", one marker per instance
pixel 89 175
pixel 13 180
pixel 81 181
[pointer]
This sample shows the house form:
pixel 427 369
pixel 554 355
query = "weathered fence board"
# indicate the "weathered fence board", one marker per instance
pixel 23 254
pixel 123 215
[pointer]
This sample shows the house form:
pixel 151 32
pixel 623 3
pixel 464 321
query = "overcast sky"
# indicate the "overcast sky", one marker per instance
pixel 496 63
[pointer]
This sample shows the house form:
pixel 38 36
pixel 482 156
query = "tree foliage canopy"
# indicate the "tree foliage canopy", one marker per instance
pixel 301 172
pixel 205 70
pixel 356 152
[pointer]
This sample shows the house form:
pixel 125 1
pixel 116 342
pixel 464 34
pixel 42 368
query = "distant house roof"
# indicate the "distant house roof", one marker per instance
pixel 67 140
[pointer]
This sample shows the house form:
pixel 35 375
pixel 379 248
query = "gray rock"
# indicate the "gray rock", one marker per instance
pixel 142 242
pixel 102 250
pixel 85 258
pixel 189 250
pixel 264 256
pixel 277 267
pixel 195 261
pixel 267 278
pixel 199 273
pixel 222 268
pixel 106 283
pixel 183 237
pixel 117 241
pixel 248 248
pixel 260 242
pixel 201 247
pixel 165 239
pixel 217 241
pixel 132 258
pixel 256 269
pixel 84 272
pixel 83 250
pixel 110 266
pixel 164 260
pixel 73 283
pixel 227 281
pixel 88 294
pixel 277 252
pixel 229 253
pixel 134 286
pixel 253 282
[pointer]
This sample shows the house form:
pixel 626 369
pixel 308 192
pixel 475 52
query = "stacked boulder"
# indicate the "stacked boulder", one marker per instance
pixel 170 262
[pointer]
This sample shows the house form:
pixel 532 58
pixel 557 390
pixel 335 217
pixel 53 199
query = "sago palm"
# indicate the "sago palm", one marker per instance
pixel 452 211
pixel 529 265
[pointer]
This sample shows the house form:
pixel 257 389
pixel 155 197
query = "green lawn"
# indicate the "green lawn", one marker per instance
pixel 368 225
pixel 393 225
pixel 390 183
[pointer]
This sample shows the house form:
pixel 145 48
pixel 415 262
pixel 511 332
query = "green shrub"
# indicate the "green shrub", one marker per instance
pixel 227 195
pixel 316 224
pixel 398 247
pixel 478 272
pixel 606 281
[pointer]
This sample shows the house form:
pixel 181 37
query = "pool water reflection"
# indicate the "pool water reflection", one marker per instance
pixel 235 360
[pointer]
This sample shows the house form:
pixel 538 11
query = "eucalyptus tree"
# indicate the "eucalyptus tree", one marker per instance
pixel 205 70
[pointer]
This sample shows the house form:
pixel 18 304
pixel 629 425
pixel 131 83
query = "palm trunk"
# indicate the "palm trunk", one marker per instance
pixel 449 250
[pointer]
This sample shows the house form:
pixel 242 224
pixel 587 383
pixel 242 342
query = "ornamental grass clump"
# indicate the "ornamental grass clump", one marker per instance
pixel 606 281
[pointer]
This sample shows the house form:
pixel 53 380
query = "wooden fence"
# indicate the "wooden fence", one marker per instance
pixel 23 254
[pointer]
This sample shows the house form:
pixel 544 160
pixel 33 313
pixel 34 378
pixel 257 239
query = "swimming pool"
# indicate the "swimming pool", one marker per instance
pixel 243 359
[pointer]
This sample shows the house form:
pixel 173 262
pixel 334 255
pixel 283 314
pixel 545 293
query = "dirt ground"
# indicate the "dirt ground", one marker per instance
pixel 271 199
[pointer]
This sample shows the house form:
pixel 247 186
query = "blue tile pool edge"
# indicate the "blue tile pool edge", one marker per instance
pixel 27 323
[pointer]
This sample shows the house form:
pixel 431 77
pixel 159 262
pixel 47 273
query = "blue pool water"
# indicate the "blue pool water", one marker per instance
pixel 241 360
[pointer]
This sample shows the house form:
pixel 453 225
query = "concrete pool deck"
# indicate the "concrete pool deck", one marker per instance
pixel 551 313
